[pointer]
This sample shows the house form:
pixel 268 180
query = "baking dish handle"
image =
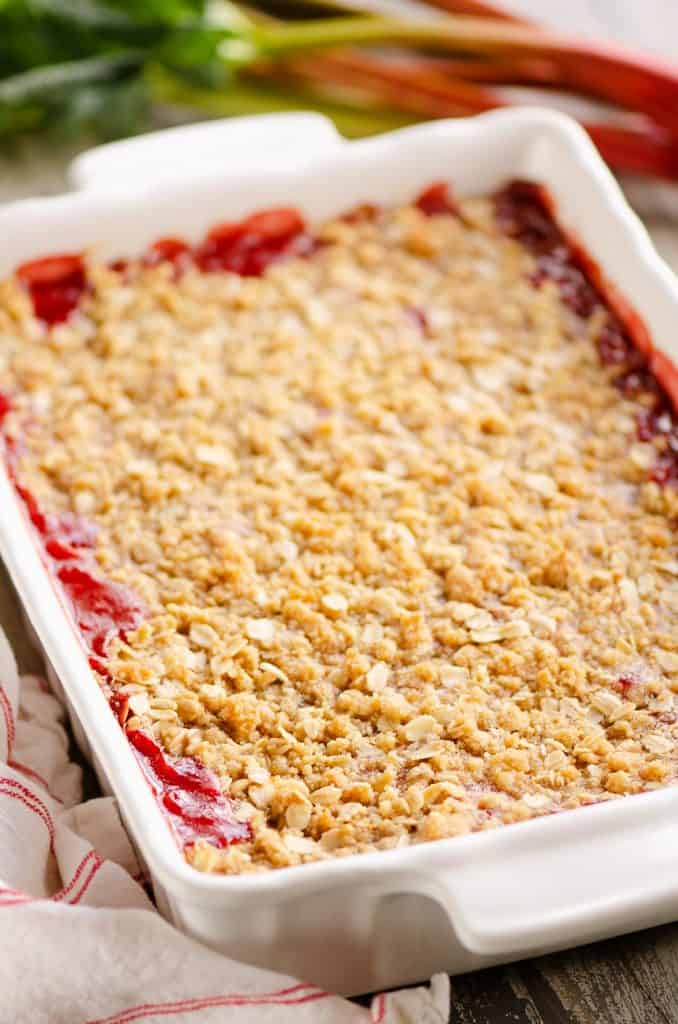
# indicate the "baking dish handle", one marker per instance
pixel 264 140
pixel 564 880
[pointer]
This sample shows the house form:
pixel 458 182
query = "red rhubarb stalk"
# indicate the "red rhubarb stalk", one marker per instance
pixel 419 88
pixel 399 81
pixel 477 8
pixel 636 81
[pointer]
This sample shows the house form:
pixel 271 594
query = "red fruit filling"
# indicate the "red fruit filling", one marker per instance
pixel 250 246
pixel 436 199
pixel 625 683
pixel 102 611
pixel 167 250
pixel 190 793
pixel 418 317
pixel 56 284
pixel 523 211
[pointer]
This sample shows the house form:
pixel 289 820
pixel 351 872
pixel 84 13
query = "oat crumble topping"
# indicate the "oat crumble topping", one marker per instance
pixel 405 575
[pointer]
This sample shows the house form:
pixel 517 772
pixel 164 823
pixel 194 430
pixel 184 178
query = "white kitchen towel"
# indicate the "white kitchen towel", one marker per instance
pixel 81 943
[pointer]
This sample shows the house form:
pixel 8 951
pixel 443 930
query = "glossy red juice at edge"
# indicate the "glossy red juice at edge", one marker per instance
pixel 56 284
pixel 101 608
pixel 248 247
pixel 165 250
pixel 435 200
pixel 190 793
pixel 104 610
pixel 524 211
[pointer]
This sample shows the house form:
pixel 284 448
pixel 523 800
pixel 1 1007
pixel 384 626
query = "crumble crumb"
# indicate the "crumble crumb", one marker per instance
pixel 406 575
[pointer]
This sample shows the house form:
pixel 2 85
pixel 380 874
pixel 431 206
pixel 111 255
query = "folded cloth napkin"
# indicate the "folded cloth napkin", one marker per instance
pixel 80 941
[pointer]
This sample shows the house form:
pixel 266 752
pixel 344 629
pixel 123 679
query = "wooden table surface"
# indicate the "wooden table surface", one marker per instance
pixel 630 980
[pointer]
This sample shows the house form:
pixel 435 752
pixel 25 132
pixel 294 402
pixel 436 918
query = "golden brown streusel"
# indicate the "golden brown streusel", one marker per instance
pixel 392 524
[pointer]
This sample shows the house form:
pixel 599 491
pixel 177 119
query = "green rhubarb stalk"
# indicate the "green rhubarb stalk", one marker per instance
pixel 263 97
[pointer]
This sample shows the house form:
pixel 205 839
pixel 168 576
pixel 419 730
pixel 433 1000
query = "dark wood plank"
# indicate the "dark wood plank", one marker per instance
pixel 491 996
pixel 631 980
pixel 655 968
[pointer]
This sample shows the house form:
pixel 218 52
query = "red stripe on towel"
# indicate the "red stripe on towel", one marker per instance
pixel 94 870
pixel 378 1008
pixel 8 716
pixel 14 790
pixel 282 998
pixel 76 876
pixel 19 766
pixel 90 863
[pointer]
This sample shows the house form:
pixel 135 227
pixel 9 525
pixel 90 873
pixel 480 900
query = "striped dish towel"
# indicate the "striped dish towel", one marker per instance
pixel 81 943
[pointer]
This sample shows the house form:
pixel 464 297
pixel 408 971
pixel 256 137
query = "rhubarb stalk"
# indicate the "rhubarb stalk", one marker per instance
pixel 478 8
pixel 420 89
pixel 645 84
pixel 397 80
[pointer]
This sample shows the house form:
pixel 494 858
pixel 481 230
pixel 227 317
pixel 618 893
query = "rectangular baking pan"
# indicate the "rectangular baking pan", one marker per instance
pixel 382 919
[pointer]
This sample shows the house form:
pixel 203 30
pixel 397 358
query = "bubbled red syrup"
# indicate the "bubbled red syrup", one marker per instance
pixel 102 611
pixel 524 211
pixel 56 284
pixel 626 683
pixel 418 316
pixel 190 793
pixel 436 200
pixel 165 250
pixel 249 246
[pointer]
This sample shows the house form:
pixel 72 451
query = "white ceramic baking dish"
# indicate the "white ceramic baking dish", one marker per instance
pixel 383 919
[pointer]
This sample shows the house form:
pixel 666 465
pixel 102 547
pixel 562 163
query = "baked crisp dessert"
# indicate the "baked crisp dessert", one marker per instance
pixel 369 532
